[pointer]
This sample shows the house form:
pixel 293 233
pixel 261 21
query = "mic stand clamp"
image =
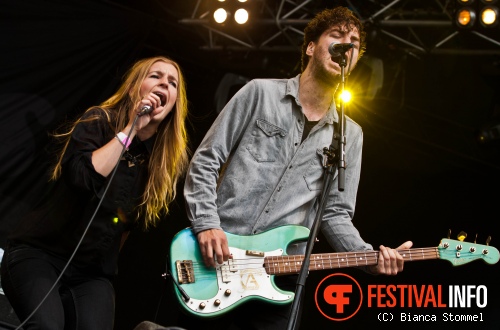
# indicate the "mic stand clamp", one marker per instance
pixel 330 155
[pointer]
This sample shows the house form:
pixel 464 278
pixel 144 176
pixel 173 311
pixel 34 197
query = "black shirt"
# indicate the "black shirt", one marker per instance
pixel 60 219
pixel 308 125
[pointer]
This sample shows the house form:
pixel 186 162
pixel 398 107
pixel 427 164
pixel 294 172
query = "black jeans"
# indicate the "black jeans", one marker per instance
pixel 78 301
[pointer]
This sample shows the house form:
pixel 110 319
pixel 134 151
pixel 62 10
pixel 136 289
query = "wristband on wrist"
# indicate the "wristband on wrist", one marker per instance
pixel 122 137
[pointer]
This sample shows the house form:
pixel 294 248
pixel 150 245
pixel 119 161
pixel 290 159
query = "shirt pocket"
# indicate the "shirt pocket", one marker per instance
pixel 266 140
pixel 313 175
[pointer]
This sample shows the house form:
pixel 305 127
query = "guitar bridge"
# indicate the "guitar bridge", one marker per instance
pixel 254 253
pixel 185 272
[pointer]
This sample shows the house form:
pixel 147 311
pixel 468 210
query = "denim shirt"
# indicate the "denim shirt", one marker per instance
pixel 251 172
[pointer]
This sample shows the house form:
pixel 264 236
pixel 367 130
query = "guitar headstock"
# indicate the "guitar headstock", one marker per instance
pixel 459 252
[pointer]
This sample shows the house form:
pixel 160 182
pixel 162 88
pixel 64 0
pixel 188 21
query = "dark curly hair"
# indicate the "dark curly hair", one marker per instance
pixel 324 20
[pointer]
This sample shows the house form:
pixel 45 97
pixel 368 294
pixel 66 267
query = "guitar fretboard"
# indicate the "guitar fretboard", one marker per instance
pixel 283 265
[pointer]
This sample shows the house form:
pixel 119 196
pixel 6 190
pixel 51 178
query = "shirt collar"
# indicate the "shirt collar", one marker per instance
pixel 292 89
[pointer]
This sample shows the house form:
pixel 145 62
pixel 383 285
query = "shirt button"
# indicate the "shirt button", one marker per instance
pixel 296 143
pixel 279 188
pixel 267 211
pixel 290 166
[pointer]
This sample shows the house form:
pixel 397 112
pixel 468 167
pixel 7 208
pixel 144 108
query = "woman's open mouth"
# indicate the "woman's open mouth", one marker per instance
pixel 163 98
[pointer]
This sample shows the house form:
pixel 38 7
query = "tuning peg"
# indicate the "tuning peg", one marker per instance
pixel 488 240
pixel 475 239
pixel 449 233
pixel 461 236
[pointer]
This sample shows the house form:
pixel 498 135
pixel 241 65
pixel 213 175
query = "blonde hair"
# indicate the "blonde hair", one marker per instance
pixel 169 158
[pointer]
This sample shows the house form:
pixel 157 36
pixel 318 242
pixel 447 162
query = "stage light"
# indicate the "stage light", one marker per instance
pixel 227 12
pixel 489 16
pixel 220 15
pixel 469 11
pixel 465 18
pixel 346 96
pixel 241 16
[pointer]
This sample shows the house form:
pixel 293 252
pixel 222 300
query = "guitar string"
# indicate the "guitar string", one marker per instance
pixel 282 263
pixel 428 252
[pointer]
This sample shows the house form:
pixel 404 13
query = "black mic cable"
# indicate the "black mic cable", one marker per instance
pixel 90 222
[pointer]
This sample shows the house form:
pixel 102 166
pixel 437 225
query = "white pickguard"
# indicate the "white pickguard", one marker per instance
pixel 244 276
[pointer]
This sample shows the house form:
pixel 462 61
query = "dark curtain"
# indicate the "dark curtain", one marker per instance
pixel 57 58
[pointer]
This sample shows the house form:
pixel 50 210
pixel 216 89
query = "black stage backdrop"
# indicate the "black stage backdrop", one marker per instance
pixel 423 170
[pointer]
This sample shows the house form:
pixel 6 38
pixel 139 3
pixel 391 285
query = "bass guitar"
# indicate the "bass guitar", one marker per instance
pixel 256 259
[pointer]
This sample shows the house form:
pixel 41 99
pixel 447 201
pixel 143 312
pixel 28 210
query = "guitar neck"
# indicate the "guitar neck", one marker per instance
pixel 284 265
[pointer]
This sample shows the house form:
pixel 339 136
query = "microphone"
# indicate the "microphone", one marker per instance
pixel 145 110
pixel 336 48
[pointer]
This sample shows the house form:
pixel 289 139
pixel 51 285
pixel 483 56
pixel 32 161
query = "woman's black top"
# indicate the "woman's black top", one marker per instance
pixel 58 222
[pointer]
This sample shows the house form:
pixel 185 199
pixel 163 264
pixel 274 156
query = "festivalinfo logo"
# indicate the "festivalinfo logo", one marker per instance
pixel 339 297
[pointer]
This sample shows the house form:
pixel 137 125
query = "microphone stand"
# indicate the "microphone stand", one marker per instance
pixel 332 156
pixel 341 136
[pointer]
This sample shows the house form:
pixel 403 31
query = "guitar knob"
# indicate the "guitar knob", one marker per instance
pixel 227 293
pixel 485 251
pixel 217 302
pixel 202 305
pixel 459 247
pixel 472 249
